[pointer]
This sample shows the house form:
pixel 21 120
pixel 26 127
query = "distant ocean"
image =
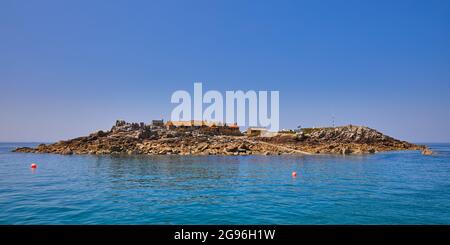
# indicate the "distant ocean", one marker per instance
pixel 384 188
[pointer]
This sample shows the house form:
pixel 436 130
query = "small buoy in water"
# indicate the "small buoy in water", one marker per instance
pixel 33 165
pixel 294 174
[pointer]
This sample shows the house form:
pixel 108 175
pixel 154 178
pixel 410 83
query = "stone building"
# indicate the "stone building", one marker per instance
pixel 256 131
pixel 158 123
pixel 204 127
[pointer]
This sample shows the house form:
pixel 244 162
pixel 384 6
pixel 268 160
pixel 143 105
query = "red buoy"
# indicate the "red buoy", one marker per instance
pixel 294 174
pixel 33 165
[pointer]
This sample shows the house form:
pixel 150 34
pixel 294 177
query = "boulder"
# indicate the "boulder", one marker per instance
pixel 427 152
pixel 346 151
pixel 67 151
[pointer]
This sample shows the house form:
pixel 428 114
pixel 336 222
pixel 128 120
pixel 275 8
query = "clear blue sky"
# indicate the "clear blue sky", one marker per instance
pixel 68 68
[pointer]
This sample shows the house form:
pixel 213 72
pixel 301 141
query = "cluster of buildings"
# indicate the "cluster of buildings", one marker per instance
pixel 215 128
pixel 203 127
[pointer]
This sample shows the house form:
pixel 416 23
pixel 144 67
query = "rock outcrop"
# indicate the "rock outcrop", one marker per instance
pixel 427 152
pixel 138 138
pixel 343 140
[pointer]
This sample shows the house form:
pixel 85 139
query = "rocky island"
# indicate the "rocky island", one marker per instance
pixel 202 138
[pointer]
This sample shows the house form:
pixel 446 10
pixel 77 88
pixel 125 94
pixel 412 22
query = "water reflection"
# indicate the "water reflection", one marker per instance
pixel 396 187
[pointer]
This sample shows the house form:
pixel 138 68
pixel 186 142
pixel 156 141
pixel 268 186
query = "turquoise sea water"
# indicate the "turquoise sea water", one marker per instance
pixel 385 188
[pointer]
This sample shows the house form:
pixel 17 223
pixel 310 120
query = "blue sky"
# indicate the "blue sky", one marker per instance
pixel 68 68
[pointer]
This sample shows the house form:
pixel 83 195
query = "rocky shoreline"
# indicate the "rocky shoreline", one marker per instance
pixel 134 138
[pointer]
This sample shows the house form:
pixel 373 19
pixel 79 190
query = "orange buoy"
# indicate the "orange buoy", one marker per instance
pixel 33 165
pixel 294 174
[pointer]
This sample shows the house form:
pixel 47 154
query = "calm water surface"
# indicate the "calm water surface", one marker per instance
pixel 386 188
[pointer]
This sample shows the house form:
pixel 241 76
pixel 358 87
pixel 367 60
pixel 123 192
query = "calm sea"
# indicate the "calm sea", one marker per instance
pixel 387 188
